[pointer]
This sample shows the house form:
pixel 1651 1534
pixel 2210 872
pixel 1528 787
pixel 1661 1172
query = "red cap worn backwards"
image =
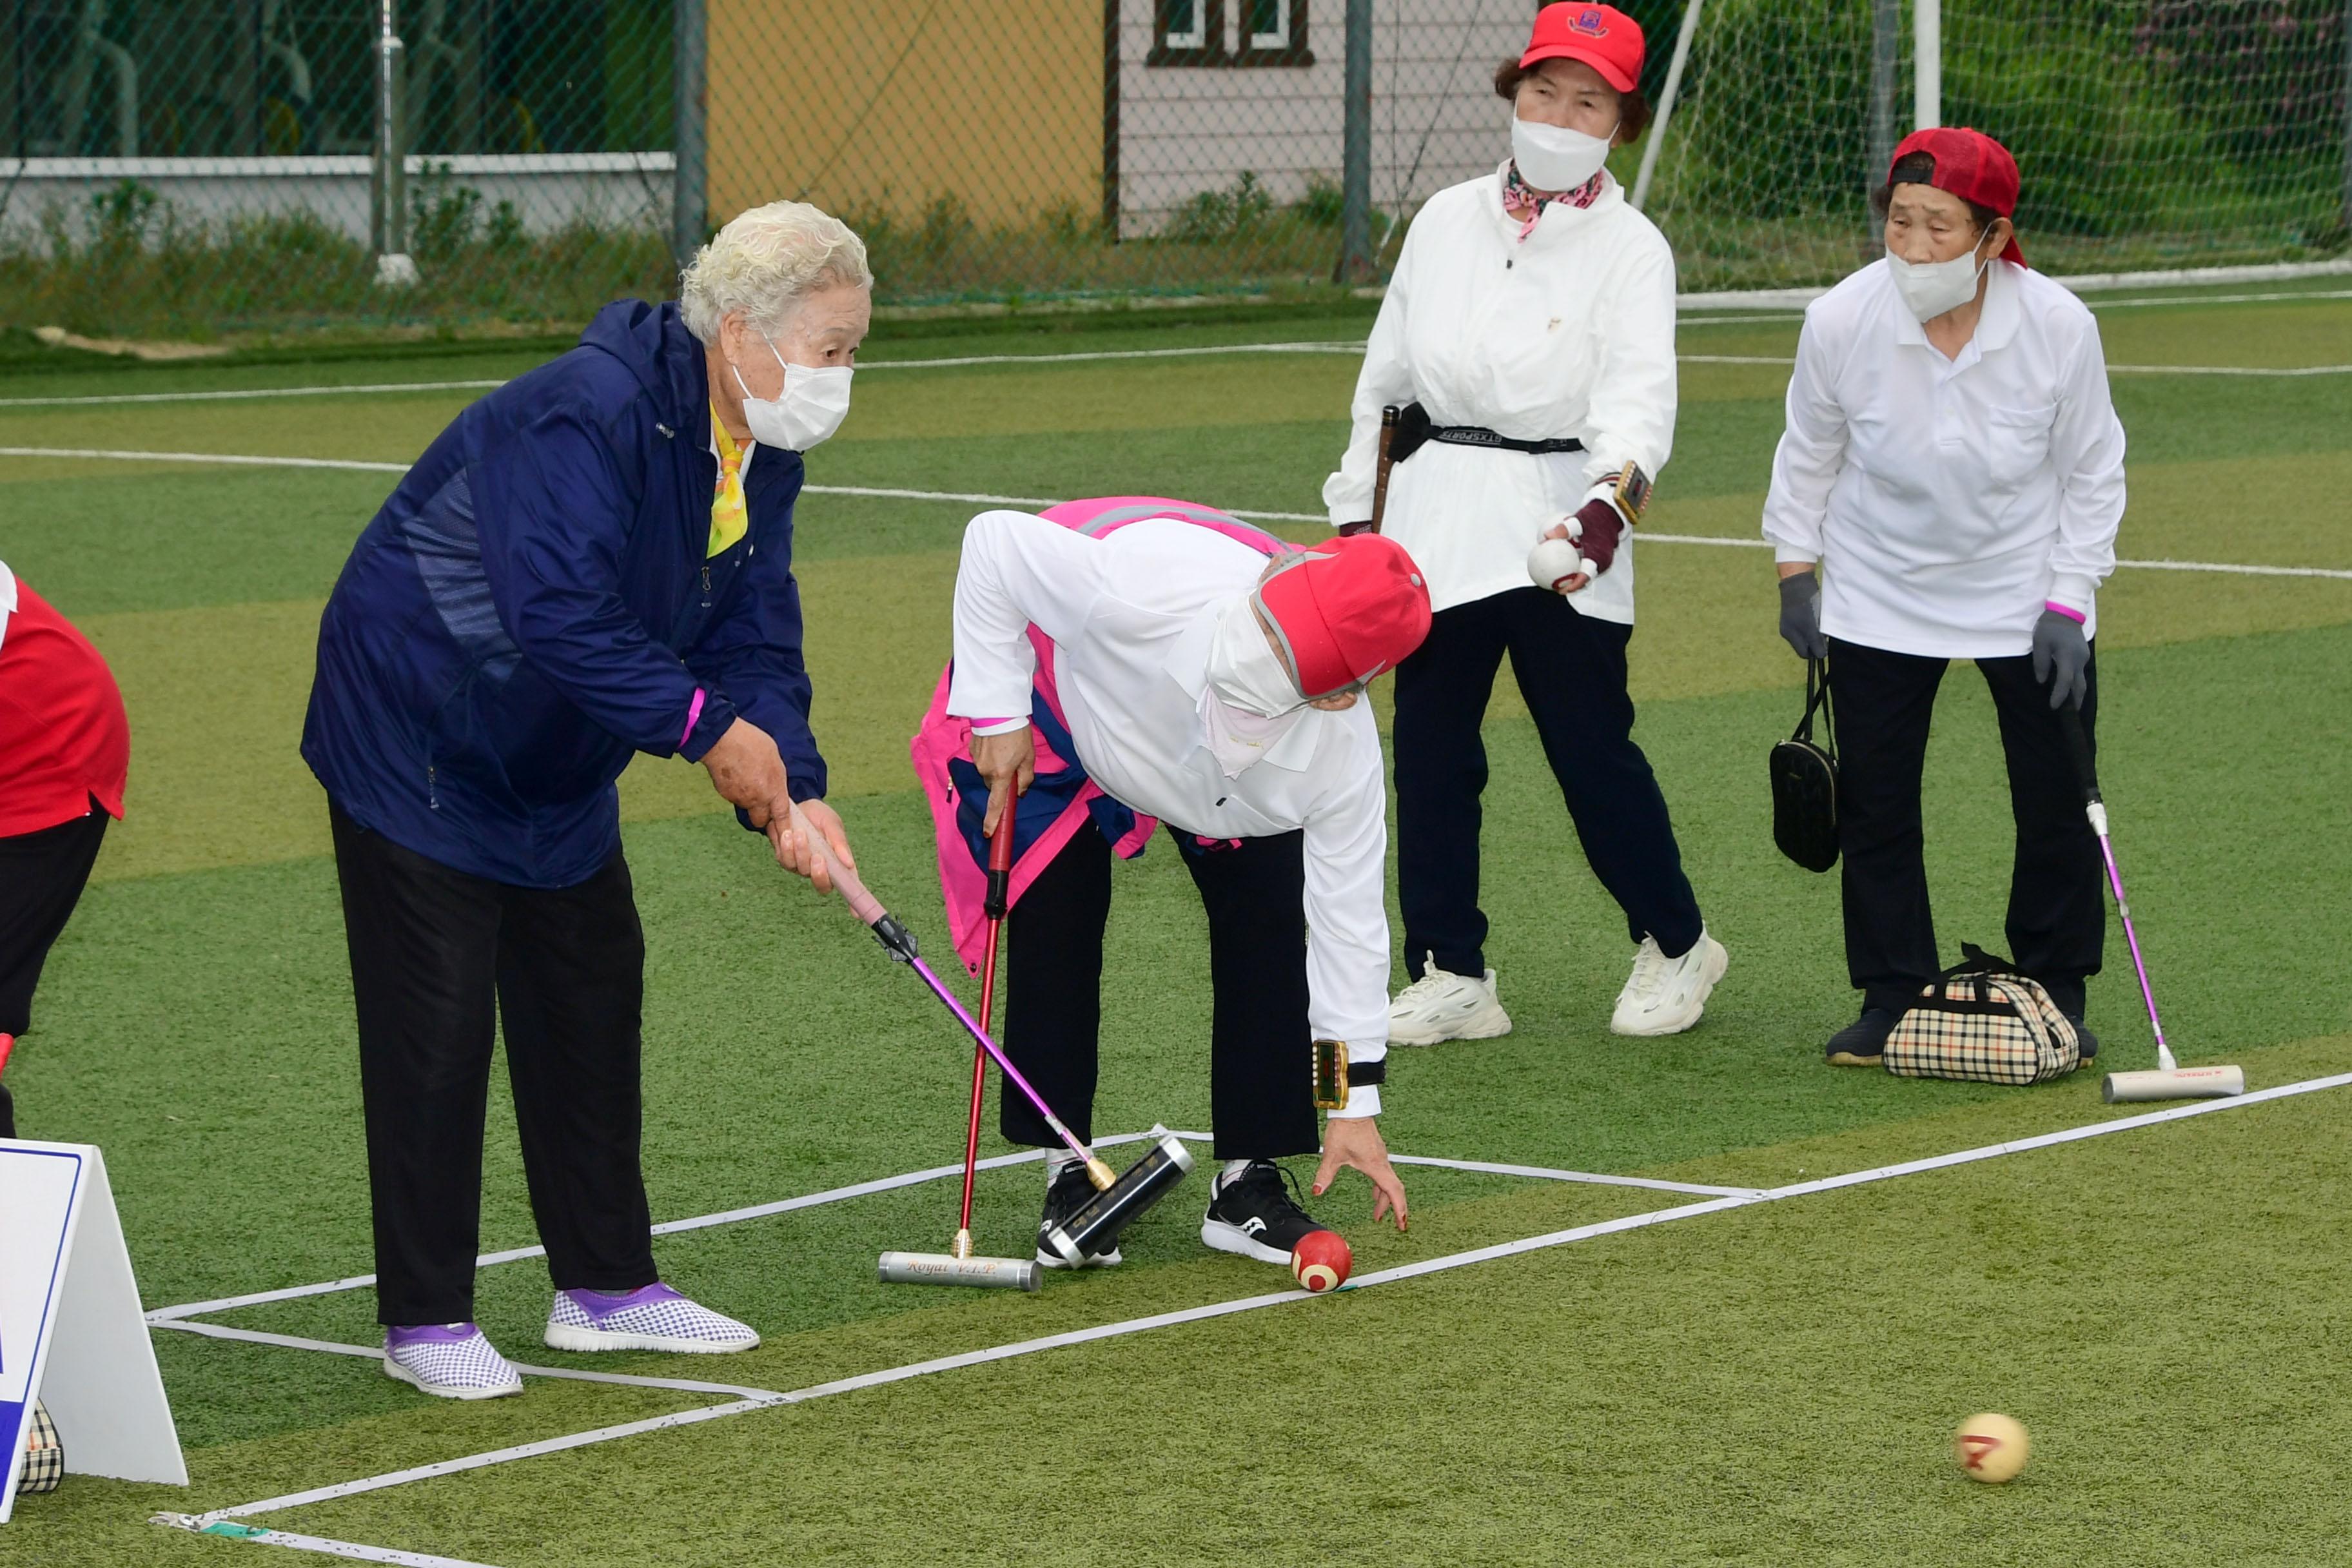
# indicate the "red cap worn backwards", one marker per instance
pixel 1345 610
pixel 1972 166
pixel 1602 37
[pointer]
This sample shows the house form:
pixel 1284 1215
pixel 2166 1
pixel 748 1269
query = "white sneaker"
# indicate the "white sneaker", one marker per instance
pixel 655 1317
pixel 1666 996
pixel 1443 1006
pixel 449 1361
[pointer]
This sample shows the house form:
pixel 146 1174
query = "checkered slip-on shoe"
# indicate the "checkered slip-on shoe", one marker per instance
pixel 656 1317
pixel 45 1457
pixel 448 1361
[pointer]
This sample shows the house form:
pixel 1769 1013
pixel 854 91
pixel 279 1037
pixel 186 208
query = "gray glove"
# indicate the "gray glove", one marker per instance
pixel 1801 616
pixel 2061 657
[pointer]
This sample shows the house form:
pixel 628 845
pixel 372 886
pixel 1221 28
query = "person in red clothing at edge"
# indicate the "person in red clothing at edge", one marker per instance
pixel 65 752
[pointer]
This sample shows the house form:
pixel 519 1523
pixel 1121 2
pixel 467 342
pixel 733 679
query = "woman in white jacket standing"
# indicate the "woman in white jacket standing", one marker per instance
pixel 1531 319
pixel 1953 461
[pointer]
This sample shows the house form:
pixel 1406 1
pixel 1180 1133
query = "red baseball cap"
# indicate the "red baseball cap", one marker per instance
pixel 1602 37
pixel 1344 611
pixel 1972 166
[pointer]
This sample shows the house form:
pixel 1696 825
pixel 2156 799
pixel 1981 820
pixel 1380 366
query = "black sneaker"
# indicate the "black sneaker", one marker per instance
pixel 2090 1041
pixel 1256 1214
pixel 1863 1043
pixel 1065 1197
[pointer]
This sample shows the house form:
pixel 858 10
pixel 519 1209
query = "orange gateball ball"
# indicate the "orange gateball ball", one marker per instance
pixel 1321 1260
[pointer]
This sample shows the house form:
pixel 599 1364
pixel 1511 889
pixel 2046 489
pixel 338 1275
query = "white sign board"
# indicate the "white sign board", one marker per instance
pixel 70 1327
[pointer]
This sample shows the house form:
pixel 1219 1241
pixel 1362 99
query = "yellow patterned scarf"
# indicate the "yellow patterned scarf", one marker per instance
pixel 729 519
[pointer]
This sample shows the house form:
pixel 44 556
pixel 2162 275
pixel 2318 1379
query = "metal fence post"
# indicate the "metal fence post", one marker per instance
pixel 1885 51
pixel 1640 199
pixel 1110 121
pixel 1355 152
pixel 1926 63
pixel 389 189
pixel 688 210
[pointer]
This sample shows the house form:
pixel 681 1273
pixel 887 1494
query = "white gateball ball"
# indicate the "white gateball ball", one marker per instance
pixel 1553 561
pixel 1991 1448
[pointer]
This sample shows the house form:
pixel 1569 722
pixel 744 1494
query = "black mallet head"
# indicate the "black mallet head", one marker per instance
pixel 1097 1226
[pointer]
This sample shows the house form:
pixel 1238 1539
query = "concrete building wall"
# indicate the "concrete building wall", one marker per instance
pixel 865 108
pixel 1188 128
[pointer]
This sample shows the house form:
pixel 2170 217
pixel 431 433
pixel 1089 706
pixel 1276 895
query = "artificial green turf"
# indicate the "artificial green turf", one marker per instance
pixel 197 1025
pixel 1771 1385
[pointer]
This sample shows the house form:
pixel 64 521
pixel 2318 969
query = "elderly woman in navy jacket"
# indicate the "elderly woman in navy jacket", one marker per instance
pixel 592 562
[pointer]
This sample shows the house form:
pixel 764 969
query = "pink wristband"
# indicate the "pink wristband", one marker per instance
pixel 2072 615
pixel 693 713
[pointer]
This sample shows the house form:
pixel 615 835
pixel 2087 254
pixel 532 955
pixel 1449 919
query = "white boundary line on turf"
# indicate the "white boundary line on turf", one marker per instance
pixel 1488 1167
pixel 1330 346
pixel 236 394
pixel 1251 1303
pixel 259 1536
pixel 570 1374
pixel 174 1317
pixel 966 497
pixel 166 1317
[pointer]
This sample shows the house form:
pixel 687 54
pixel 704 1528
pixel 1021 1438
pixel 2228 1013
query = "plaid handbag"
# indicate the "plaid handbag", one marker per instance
pixel 45 1457
pixel 1981 1021
pixel 1804 781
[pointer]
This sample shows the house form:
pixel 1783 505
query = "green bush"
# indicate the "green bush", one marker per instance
pixel 2111 109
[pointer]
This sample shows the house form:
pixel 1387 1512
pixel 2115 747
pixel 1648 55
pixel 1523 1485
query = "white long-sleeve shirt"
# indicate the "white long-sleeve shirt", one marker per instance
pixel 1947 500
pixel 1131 616
pixel 1568 333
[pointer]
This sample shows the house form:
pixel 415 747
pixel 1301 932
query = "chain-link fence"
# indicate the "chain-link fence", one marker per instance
pixel 195 168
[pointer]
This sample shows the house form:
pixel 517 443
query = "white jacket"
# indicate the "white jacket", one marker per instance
pixel 1568 333
pixel 1133 616
pixel 1949 500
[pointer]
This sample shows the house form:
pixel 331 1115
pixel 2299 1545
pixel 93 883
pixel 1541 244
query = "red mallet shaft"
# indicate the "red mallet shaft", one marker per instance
pixel 995 905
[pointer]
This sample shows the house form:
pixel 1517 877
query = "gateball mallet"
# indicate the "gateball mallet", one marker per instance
pixel 995 904
pixel 2170 1080
pixel 899 944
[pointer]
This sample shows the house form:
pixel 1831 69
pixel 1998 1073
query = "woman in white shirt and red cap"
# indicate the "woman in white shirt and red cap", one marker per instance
pixel 1530 331
pixel 1954 463
pixel 1207 675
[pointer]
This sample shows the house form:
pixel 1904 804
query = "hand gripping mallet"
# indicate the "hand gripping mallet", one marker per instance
pixel 2170 1080
pixel 899 944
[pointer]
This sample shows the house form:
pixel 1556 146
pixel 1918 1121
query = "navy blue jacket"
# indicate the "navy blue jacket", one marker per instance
pixel 536 602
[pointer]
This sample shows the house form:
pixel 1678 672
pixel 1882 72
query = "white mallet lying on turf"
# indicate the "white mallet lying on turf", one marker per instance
pixel 2170 1080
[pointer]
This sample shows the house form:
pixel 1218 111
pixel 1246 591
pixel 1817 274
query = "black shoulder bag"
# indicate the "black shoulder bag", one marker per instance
pixel 1804 780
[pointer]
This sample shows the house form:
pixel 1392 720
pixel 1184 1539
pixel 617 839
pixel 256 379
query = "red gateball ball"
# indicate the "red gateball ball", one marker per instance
pixel 1321 1260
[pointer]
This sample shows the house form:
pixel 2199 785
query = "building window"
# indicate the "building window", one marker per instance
pixel 1188 33
pixel 1274 33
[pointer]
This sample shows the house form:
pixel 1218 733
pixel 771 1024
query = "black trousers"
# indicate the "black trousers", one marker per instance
pixel 1261 1064
pixel 1571 670
pixel 2057 919
pixel 433 950
pixel 41 878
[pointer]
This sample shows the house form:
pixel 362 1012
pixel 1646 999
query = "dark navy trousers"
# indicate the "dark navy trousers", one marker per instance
pixel 1571 670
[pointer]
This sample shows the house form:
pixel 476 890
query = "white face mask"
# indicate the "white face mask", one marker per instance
pixel 816 401
pixel 1555 158
pixel 1932 289
pixel 1249 702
